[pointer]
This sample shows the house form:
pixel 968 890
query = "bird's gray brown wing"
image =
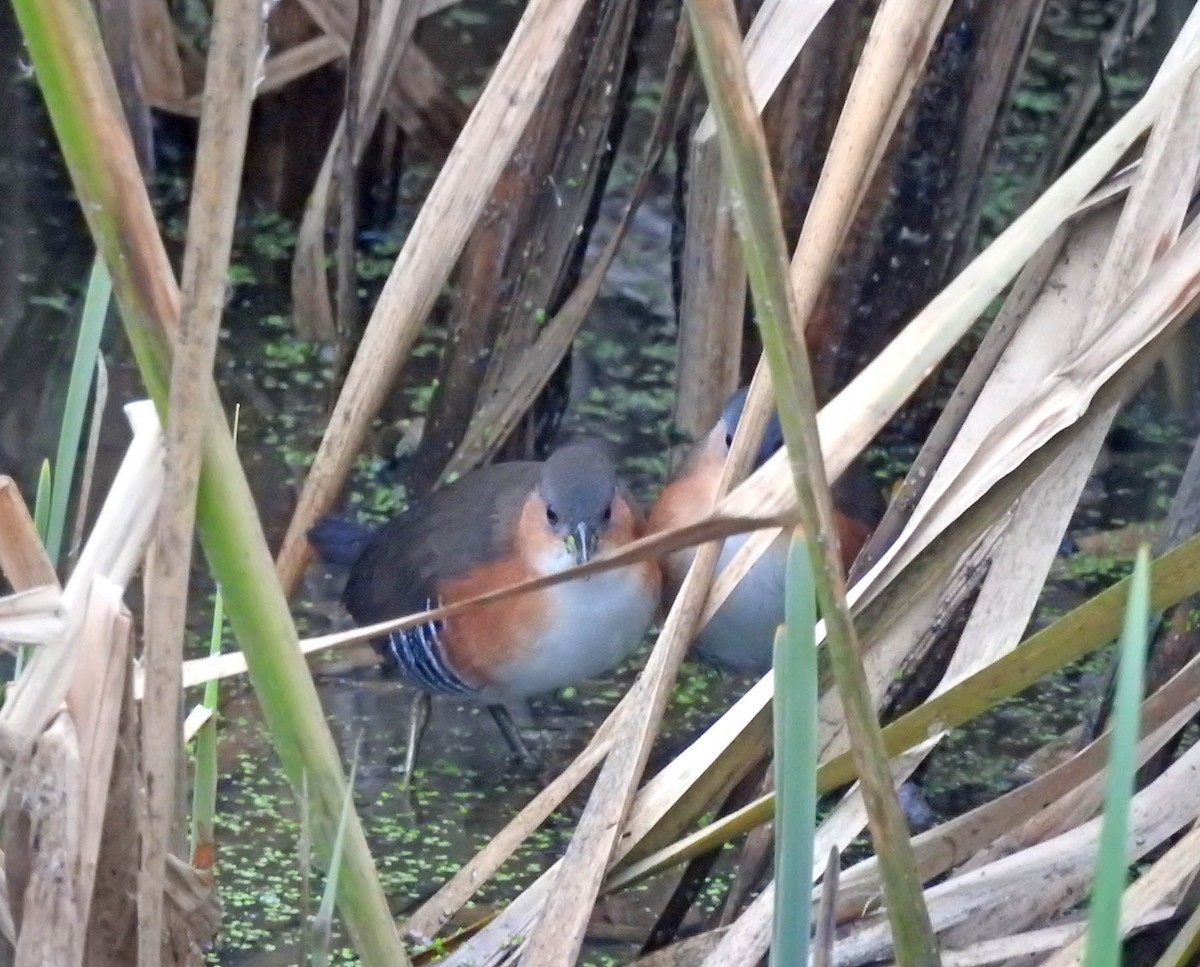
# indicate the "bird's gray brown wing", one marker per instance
pixel 465 523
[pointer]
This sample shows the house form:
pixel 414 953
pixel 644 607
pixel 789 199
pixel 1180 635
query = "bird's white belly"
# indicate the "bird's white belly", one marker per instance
pixel 741 634
pixel 594 624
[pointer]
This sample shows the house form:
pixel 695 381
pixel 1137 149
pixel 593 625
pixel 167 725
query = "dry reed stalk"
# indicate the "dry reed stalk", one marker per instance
pixel 1148 893
pixel 94 702
pixel 418 96
pixel 447 217
pixel 987 900
pixel 823 931
pixel 776 36
pixel 41 845
pixel 1031 530
pixel 994 829
pixel 1017 303
pixel 429 7
pixel 852 418
pixel 23 558
pixel 114 550
pixel 712 272
pixel 236 47
pixel 194 720
pixel 113 925
pixel 713 307
pixel 33 617
pixel 379 56
pixel 346 268
pixel 499 410
pixel 1020 946
pixel 157 56
pixel 281 69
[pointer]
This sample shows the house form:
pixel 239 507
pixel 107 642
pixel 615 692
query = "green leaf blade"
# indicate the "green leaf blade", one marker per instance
pixel 1104 915
pixel 795 725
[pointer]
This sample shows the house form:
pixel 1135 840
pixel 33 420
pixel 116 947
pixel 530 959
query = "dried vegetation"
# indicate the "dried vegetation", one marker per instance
pixel 1095 280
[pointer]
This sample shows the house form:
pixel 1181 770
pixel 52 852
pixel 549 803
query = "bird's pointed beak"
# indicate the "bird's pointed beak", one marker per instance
pixel 581 542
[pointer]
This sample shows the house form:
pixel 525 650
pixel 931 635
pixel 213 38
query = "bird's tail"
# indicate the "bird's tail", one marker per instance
pixel 337 540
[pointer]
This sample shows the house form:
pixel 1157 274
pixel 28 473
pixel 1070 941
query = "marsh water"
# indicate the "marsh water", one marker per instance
pixel 466 787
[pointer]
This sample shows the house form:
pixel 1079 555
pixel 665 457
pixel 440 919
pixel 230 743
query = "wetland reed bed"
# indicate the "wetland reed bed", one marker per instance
pixel 895 283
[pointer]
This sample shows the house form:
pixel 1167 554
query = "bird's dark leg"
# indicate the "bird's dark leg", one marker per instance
pixel 418 719
pixel 509 730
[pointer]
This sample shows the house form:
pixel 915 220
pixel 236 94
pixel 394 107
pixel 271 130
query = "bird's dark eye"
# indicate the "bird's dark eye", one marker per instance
pixel 551 517
pixel 608 513
pixel 728 439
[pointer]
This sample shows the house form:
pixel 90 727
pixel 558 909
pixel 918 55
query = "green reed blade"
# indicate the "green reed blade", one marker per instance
pixel 1104 915
pixel 795 724
pixel 204 785
pixel 41 500
pixel 322 926
pixel 83 368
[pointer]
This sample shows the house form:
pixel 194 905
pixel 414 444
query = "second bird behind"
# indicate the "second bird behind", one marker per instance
pixel 741 634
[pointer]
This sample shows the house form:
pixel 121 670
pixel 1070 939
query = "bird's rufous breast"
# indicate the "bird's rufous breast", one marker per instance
pixel 685 500
pixel 485 637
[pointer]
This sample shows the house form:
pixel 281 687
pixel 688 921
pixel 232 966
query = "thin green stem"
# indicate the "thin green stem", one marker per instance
pixel 83 369
pixel 204 780
pixel 1104 914
pixel 795 725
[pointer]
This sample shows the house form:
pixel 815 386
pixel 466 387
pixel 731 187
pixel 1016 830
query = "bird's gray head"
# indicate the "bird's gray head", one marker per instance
pixel 578 484
pixel 732 414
